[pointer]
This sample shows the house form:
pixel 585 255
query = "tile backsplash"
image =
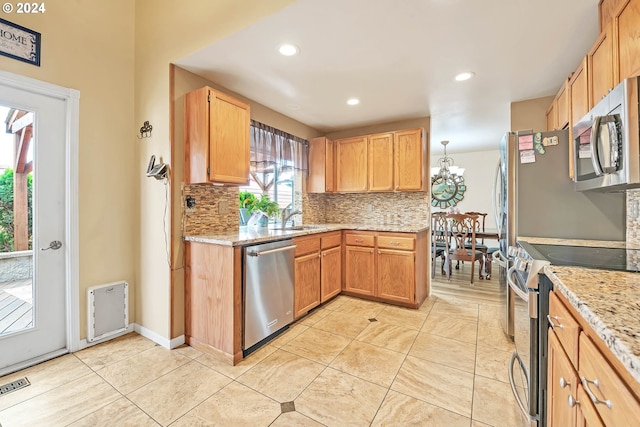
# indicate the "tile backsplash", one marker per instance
pixel 205 217
pixel 633 219
pixel 367 208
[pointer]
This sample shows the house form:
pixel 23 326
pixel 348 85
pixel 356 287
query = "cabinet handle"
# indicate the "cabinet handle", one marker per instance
pixel 371 251
pixel 324 254
pixel 585 383
pixel 563 382
pixel 394 243
pixel 379 253
pixel 553 325
pixel 359 240
pixel 572 402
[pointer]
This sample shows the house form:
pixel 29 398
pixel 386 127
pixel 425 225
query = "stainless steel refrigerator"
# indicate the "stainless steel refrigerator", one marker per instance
pixel 538 200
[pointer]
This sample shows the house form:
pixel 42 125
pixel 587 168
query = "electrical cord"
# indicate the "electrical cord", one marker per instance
pixel 164 225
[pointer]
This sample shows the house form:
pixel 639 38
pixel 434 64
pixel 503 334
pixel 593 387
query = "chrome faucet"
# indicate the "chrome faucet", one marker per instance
pixel 287 216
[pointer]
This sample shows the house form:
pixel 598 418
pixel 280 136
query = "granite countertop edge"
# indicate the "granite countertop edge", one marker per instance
pixel 247 236
pixel 610 338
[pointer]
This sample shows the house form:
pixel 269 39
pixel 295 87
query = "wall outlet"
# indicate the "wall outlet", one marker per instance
pixel 189 204
pixel 223 207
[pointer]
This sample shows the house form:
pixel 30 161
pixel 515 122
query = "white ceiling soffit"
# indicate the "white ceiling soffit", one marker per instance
pixel 400 58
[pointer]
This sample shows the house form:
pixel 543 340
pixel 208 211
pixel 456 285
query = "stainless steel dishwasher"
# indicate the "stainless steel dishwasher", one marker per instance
pixel 268 289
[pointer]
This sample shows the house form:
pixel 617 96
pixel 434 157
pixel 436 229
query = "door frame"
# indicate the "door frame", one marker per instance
pixel 72 131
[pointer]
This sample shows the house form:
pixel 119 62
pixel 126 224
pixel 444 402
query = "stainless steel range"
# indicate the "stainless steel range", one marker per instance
pixel 528 365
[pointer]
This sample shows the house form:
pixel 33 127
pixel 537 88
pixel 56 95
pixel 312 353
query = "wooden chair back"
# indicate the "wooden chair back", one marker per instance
pixel 462 228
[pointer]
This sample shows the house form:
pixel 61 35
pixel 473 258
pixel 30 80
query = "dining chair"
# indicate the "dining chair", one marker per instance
pixel 439 241
pixel 462 228
pixel 480 246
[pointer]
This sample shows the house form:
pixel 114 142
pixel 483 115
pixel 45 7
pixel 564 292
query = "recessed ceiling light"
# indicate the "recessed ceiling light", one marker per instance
pixel 464 76
pixel 288 49
pixel 353 101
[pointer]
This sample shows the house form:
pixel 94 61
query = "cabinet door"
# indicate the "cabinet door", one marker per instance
pixel 562 105
pixel 228 139
pixel 330 273
pixel 359 270
pixel 351 164
pixel 600 64
pixel 307 283
pixel 381 162
pixel 624 408
pixel 561 383
pixel 578 94
pixel 321 166
pixel 396 275
pixel 587 416
pixel 626 22
pixel 552 116
pixel 409 157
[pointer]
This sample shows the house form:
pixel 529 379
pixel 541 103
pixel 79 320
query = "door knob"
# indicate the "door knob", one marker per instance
pixel 55 245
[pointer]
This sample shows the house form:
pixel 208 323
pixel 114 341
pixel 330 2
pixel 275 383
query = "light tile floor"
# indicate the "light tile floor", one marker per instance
pixel 349 363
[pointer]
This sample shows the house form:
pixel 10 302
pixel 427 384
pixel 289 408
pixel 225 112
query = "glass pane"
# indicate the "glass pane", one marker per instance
pixel 16 213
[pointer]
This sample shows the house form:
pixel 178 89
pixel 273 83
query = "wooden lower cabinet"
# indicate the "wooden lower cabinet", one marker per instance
pixel 390 267
pixel 359 265
pixel 330 273
pixel 562 380
pixel 396 275
pixel 569 382
pixel 213 299
pixel 307 283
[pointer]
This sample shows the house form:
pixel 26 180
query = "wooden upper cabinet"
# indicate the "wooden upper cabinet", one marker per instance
pixel 380 171
pixel 626 39
pixel 552 116
pixel 351 164
pixel 409 152
pixel 321 166
pixel 606 10
pixel 562 105
pixel 579 92
pixel 601 66
pixel 216 138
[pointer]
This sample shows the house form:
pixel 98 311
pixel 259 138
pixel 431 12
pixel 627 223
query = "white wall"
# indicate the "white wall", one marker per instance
pixel 479 175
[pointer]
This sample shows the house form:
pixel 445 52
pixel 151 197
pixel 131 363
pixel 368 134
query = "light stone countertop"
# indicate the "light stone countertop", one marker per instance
pixel 610 303
pixel 250 235
pixel 574 242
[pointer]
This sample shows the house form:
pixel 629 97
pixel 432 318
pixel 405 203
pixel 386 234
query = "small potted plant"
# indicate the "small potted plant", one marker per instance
pixel 247 202
pixel 264 209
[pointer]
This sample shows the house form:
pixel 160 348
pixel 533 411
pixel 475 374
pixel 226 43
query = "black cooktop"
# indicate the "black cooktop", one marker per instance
pixel 591 257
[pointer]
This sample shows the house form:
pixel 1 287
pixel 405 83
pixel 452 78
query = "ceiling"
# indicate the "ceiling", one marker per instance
pixel 400 58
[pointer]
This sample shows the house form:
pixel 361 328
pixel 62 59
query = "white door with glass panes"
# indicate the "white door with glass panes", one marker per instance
pixel 33 302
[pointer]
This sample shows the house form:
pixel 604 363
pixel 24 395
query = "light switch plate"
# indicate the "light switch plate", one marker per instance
pixel 223 207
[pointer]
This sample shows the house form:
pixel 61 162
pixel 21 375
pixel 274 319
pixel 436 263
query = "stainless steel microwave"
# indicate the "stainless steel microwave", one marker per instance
pixel 606 142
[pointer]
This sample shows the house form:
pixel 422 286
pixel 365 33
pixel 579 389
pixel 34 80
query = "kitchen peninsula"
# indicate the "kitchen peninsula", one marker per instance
pixel 387 263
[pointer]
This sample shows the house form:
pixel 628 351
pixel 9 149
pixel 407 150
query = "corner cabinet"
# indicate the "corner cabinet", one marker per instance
pixel 216 138
pixel 322 169
pixel 389 267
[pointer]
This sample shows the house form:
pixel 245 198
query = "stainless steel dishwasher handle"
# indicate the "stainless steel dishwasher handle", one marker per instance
pixel 272 251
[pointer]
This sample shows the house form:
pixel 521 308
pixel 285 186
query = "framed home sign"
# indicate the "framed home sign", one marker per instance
pixel 19 43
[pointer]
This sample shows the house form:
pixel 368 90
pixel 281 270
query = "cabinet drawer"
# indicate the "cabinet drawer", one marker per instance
pixel 359 239
pixel 565 326
pixel 307 245
pixel 396 242
pixel 329 240
pixel 625 409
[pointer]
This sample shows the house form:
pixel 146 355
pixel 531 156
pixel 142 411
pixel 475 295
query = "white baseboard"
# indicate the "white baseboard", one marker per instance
pixel 147 333
pixel 158 339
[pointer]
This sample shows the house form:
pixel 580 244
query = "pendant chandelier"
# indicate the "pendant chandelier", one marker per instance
pixel 447 182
